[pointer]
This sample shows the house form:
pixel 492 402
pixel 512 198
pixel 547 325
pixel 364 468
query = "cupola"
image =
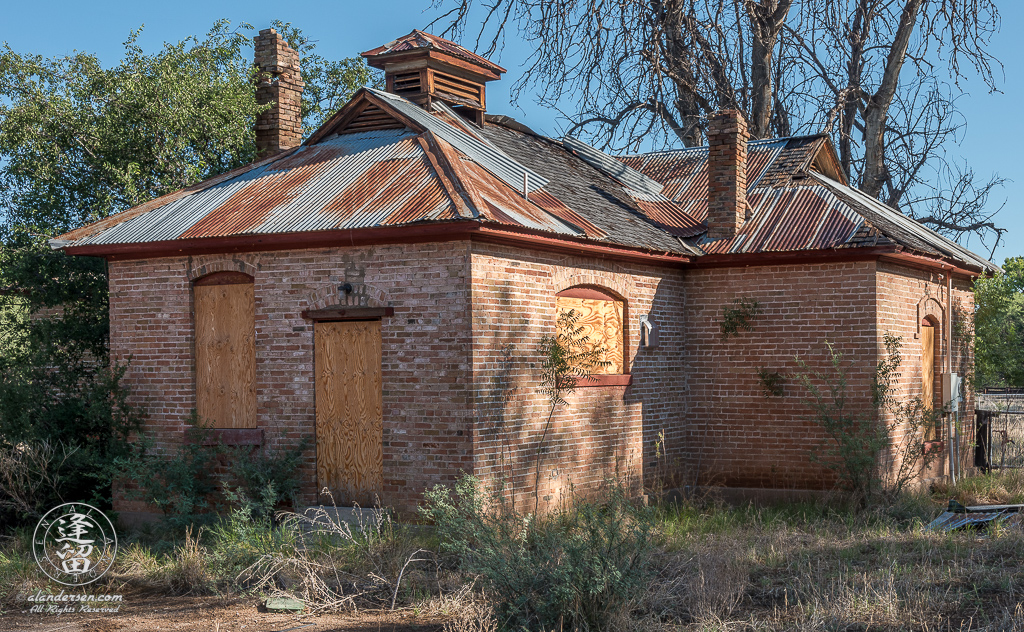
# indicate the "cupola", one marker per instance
pixel 422 67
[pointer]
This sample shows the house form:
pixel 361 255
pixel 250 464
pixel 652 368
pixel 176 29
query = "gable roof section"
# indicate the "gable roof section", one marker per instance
pixel 611 207
pixel 426 170
pixel 793 205
pixel 902 228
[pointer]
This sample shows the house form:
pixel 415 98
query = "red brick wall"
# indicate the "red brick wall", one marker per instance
pixel 602 432
pixel 425 348
pixel 735 435
pixel 454 400
pixel 905 296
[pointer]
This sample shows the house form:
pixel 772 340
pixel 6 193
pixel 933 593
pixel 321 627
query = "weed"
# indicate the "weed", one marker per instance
pixel 566 570
pixel 873 458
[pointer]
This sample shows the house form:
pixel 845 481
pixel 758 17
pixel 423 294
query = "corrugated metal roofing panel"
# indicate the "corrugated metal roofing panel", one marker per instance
pixel 612 167
pixel 788 219
pixel 349 181
pixel 683 172
pixel 907 229
pixel 484 154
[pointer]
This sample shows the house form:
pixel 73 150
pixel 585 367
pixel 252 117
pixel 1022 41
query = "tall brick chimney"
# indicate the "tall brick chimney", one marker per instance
pixel 279 82
pixel 727 173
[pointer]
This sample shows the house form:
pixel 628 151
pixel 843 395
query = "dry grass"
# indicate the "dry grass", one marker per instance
pixel 795 567
pixel 807 568
pixel 999 488
pixel 336 566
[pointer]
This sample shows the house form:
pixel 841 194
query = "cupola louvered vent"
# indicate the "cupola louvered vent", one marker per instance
pixel 422 67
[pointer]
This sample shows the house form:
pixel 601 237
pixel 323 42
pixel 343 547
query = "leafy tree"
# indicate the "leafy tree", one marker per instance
pixel 999 327
pixel 79 142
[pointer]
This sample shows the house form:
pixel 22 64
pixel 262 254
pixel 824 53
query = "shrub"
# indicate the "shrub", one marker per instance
pixel 186 486
pixel 567 570
pixel 861 447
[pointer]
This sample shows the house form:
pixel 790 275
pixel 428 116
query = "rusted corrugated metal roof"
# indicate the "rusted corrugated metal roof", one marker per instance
pixel 449 169
pixel 484 153
pixel 350 181
pixel 683 172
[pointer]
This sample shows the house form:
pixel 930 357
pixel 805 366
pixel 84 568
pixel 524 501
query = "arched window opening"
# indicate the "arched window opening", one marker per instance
pixel 225 349
pixel 602 317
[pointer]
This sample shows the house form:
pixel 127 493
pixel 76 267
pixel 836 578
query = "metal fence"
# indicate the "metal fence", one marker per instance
pixel 1000 439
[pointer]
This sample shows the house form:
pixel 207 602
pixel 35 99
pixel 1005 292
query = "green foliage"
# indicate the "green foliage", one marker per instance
pixel 739 317
pixel 569 358
pixel 265 478
pixel 855 439
pixel 79 142
pixel 567 570
pixel 862 446
pixel 999 327
pixel 188 489
pixel 771 382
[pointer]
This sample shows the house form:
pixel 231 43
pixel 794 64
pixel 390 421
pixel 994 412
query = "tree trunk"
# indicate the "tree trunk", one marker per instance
pixel 876 112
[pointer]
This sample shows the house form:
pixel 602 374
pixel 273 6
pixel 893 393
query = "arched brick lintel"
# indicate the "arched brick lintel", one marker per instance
pixel 617 283
pixel 203 266
pixel 362 295
pixel 929 308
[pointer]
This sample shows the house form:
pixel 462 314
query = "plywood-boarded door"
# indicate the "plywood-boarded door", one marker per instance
pixel 349 411
pixel 927 365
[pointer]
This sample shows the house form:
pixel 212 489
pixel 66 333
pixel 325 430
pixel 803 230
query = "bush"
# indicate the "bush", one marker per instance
pixel 567 570
pixel 862 448
pixel 186 485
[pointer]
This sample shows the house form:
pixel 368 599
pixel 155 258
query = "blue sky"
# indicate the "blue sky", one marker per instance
pixel 343 29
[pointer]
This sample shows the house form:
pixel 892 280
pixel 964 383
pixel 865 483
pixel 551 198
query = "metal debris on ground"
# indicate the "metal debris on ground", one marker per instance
pixel 284 604
pixel 958 516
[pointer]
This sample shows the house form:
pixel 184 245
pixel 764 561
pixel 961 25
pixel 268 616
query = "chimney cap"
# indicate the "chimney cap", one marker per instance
pixel 419 43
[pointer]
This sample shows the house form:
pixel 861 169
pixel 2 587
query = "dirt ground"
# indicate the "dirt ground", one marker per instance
pixel 148 611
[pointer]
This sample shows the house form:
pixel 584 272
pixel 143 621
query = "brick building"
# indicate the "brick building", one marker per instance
pixel 382 288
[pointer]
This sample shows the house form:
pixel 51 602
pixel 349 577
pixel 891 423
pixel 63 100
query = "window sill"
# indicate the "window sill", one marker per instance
pixel 606 380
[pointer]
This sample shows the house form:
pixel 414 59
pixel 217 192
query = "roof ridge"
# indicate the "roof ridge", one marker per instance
pixel 759 141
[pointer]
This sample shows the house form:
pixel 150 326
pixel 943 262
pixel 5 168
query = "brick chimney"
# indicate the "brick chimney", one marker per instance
pixel 279 82
pixel 727 173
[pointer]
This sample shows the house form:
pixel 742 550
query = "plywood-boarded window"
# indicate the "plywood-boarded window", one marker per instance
pixel 602 317
pixel 225 334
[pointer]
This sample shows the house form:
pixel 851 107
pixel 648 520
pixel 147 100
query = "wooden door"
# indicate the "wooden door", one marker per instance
pixel 225 331
pixel 349 411
pixel 927 365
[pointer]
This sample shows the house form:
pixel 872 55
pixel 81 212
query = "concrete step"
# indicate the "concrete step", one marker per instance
pixel 328 518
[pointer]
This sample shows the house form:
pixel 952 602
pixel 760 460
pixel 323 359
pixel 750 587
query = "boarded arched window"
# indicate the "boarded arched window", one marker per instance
pixel 225 335
pixel 603 321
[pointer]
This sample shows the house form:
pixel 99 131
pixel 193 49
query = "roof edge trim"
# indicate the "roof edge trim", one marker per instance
pixel 410 233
